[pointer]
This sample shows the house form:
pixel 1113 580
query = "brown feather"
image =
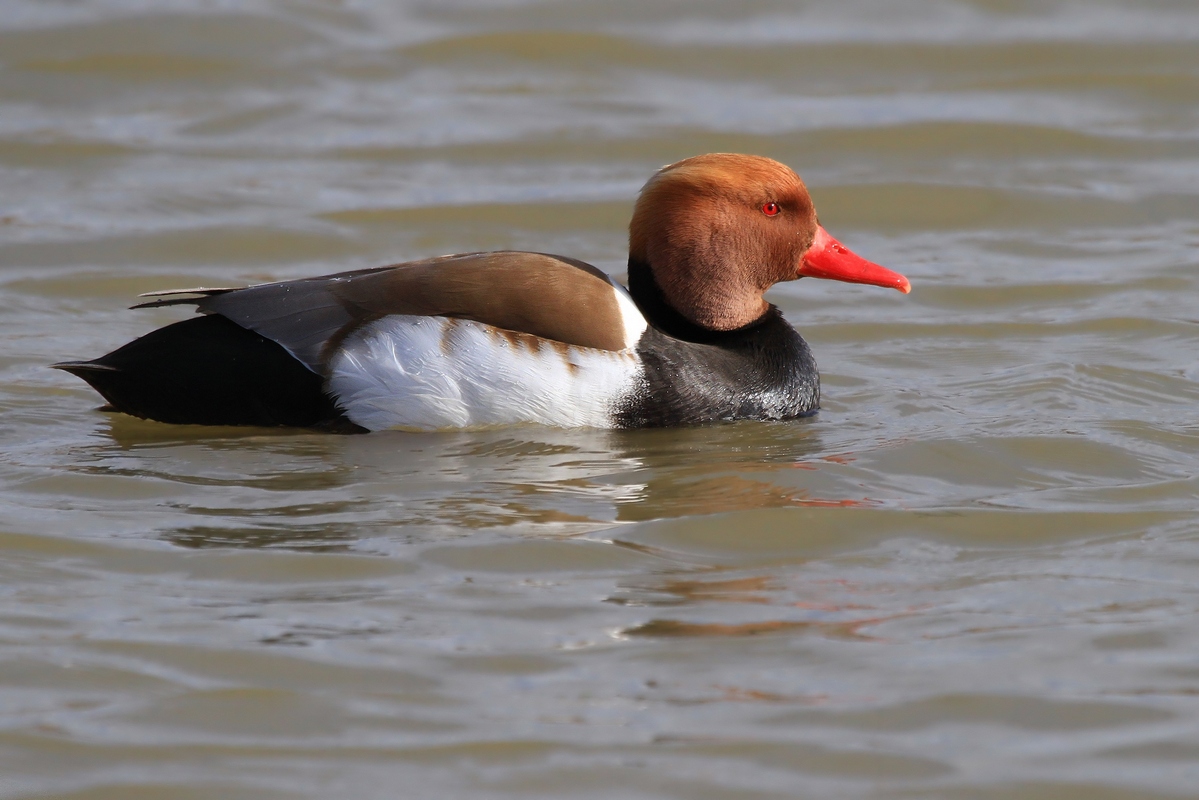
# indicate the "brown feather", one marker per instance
pixel 548 296
pixel 552 297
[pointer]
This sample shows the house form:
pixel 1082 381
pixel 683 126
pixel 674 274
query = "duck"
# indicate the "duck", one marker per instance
pixel 509 337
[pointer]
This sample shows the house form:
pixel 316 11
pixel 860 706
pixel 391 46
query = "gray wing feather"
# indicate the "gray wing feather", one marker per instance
pixel 302 315
pixel 179 297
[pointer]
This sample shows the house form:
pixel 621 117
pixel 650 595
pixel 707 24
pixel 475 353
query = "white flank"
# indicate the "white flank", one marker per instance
pixel 631 318
pixel 432 372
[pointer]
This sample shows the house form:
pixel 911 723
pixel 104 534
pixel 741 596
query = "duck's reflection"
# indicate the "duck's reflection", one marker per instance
pixel 272 489
pixel 833 610
pixel 259 488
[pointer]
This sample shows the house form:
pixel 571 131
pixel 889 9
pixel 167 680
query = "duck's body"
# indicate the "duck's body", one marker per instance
pixel 511 337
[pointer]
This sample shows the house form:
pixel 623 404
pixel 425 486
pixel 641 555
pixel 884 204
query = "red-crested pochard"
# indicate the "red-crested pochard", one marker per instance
pixel 510 337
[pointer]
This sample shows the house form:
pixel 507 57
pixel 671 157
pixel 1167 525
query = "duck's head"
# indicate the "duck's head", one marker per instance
pixel 716 231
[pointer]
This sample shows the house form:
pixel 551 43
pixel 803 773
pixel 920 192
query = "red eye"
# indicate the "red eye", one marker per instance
pixel 770 209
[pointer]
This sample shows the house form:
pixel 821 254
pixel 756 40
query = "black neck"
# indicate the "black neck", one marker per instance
pixel 652 302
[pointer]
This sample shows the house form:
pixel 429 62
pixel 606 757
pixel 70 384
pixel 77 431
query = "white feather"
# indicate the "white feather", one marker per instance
pixel 631 318
pixel 431 372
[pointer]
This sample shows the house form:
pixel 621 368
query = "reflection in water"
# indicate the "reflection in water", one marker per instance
pixel 834 611
pixel 721 469
pixel 301 489
pixel 314 538
pixel 832 630
pixel 751 589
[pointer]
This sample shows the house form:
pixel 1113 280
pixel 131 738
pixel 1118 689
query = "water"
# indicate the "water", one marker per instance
pixel 972 576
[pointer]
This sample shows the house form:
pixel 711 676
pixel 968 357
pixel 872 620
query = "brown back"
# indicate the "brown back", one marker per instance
pixel 549 296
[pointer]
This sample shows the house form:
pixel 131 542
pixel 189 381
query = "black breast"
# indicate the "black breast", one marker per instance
pixel 693 375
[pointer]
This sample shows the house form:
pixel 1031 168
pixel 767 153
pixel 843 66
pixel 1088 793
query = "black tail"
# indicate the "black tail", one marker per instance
pixel 211 371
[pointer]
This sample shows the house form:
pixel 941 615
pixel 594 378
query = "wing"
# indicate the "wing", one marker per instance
pixel 549 296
